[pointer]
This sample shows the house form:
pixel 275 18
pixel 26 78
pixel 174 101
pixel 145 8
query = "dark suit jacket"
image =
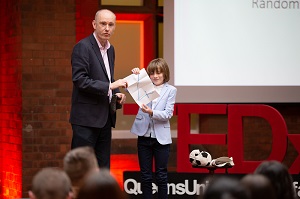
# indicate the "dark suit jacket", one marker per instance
pixel 90 103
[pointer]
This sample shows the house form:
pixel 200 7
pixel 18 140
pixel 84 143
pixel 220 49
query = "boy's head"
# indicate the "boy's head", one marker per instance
pixel 159 65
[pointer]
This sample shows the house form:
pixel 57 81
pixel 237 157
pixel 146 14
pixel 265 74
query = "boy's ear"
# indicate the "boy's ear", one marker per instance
pixel 31 195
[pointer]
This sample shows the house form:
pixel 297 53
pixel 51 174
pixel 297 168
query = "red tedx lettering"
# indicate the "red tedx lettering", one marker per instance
pixel 295 167
pixel 234 138
pixel 185 138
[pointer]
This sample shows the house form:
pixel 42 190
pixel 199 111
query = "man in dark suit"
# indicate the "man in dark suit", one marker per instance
pixel 93 86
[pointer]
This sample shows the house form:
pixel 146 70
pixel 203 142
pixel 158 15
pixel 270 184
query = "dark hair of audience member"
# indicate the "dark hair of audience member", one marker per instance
pixel 259 186
pixel 225 187
pixel 280 178
pixel 102 185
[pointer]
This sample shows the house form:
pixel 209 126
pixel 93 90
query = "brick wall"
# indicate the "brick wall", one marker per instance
pixel 10 100
pixel 48 35
pixel 84 13
pixel 36 43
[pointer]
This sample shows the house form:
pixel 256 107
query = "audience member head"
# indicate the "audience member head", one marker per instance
pixel 225 187
pixel 50 183
pixel 77 163
pixel 280 178
pixel 100 185
pixel 259 186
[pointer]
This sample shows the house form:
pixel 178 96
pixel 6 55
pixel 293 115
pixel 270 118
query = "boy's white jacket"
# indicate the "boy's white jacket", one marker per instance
pixel 162 113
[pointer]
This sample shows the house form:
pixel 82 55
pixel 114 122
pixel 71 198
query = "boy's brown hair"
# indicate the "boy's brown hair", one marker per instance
pixel 159 65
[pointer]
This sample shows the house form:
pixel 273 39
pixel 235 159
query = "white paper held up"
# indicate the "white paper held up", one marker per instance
pixel 141 88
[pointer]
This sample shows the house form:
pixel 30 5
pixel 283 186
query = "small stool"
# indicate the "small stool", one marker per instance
pixel 212 169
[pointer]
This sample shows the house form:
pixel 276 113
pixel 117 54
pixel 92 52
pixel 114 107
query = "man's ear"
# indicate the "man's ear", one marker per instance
pixel 31 195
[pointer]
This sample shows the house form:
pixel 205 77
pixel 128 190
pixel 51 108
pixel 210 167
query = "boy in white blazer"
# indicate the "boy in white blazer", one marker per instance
pixel 152 126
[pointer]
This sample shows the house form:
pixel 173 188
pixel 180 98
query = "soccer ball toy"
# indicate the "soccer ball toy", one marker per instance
pixel 194 156
pixel 200 158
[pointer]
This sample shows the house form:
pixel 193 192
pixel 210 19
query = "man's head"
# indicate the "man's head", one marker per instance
pixel 50 183
pixel 78 162
pixel 104 25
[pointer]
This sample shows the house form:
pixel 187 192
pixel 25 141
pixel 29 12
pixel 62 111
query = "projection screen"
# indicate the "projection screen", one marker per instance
pixel 233 51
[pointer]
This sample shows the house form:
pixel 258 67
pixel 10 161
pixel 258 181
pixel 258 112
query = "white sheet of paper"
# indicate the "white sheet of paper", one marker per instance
pixel 141 88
